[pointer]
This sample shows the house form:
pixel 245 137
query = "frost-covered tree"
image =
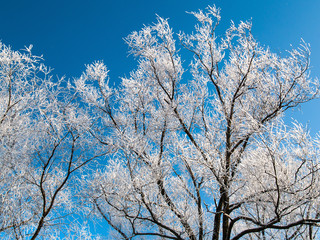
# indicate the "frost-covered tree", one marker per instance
pixel 196 150
pixel 44 145
pixel 200 151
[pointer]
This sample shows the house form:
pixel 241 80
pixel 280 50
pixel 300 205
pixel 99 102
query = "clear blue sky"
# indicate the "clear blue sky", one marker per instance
pixel 72 33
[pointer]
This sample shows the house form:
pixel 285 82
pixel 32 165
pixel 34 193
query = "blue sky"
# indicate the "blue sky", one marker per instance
pixel 72 33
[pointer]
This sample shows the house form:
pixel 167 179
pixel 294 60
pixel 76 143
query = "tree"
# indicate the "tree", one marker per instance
pixel 202 152
pixel 44 144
